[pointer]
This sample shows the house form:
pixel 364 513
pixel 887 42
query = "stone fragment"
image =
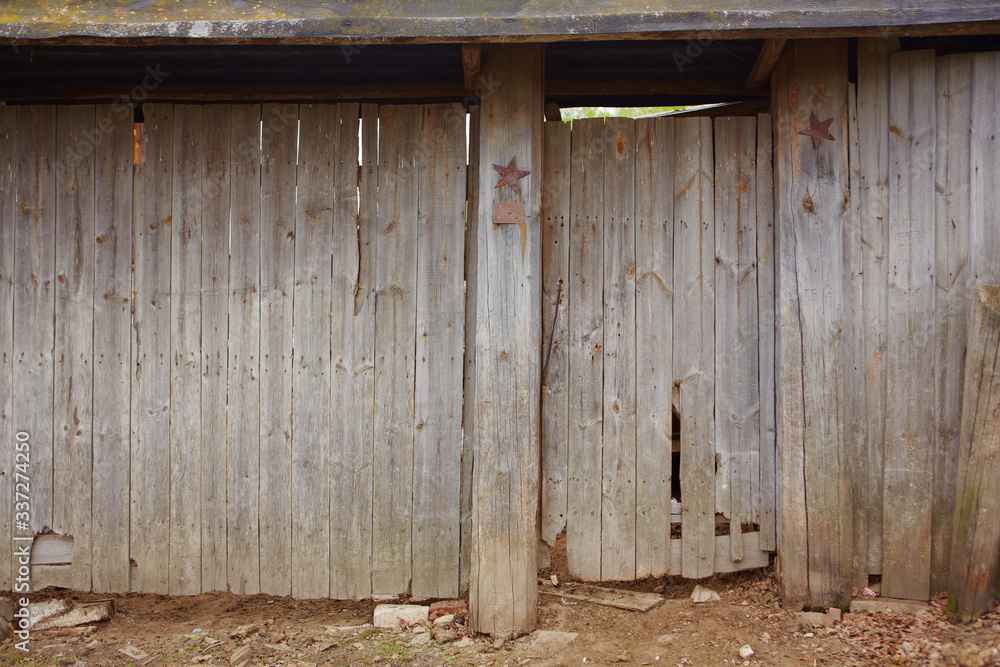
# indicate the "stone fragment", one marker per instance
pixel 447 619
pixel 547 642
pixel 835 614
pixel 244 631
pixel 888 605
pixel 421 639
pixel 814 619
pixel 394 615
pixel 464 642
pixel 746 651
pixel 663 640
pixel 700 595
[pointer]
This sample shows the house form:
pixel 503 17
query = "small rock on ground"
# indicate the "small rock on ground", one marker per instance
pixel 546 642
pixel 814 619
pixel 746 651
pixel 663 640
pixel 702 594
pixel 392 615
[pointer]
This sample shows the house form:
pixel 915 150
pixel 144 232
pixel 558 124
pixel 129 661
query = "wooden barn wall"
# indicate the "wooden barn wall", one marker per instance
pixel 883 232
pixel 658 291
pixel 237 363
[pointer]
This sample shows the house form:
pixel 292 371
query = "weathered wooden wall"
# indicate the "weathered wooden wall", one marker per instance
pixel 657 271
pixel 254 403
pixel 883 232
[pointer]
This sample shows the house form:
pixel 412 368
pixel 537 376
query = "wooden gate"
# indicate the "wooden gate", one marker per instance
pixel 236 348
pixel 658 401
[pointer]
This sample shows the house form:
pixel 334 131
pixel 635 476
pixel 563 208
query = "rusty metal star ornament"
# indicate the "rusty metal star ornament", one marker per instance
pixel 818 130
pixel 510 175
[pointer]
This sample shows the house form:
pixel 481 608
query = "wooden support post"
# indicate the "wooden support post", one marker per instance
pixel 507 289
pixel 766 60
pixel 812 205
pixel 976 541
pixel 471 64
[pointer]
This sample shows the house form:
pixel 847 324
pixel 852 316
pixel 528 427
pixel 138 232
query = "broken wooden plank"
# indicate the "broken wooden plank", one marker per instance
pixel 694 353
pixel 607 597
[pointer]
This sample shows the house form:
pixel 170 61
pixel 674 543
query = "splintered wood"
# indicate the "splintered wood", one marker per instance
pixel 608 597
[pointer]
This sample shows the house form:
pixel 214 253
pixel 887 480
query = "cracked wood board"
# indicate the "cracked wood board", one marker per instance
pixel 608 597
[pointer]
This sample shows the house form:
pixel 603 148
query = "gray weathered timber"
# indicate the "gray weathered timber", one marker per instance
pixel 8 167
pixel 469 407
pixel 952 252
pixel 34 301
pixel 279 138
pixel 985 169
pixel 654 340
pixel 311 324
pixel 150 443
pixel 976 540
pixel 619 393
pixel 737 401
pixel 873 134
pixel 909 428
pixel 353 348
pixel 112 361
pixel 215 207
pixel 243 433
pixel 694 353
pixel 504 592
pixel 74 336
pixel 855 408
pixel 395 326
pixel 810 198
pixel 555 309
pixel 585 318
pixel 407 20
pixel 767 321
pixel 185 352
pixel 440 336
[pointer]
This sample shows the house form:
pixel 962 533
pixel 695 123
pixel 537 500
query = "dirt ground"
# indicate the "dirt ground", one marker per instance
pixel 159 630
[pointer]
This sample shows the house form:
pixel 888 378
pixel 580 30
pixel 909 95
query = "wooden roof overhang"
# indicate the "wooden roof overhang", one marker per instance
pixel 481 20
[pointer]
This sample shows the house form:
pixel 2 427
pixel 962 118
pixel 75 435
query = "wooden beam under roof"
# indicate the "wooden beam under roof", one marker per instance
pixel 766 60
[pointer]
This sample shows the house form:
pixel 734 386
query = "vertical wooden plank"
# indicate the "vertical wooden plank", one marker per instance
pixel 812 201
pixel 855 413
pixel 619 393
pixel 555 306
pixel 74 334
pixel 767 319
pixel 909 359
pixel 215 210
pixel 873 134
pixel 311 383
pixel 586 342
pixel 395 313
pixel 985 170
pixel 8 168
pixel 112 350
pixel 977 533
pixel 504 591
pixel 952 252
pixel 440 322
pixel 470 406
pixel 150 458
pixel 279 140
pixel 737 426
pixel 694 353
pixel 654 341
pixel 353 336
pixel 34 301
pixel 792 567
pixel 243 429
pixel 185 353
